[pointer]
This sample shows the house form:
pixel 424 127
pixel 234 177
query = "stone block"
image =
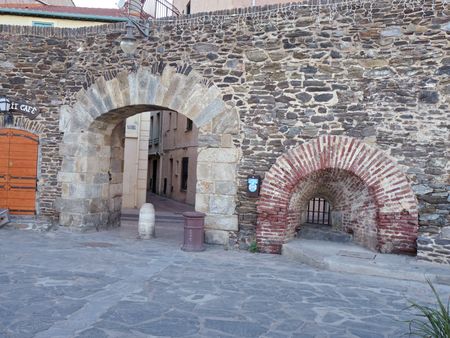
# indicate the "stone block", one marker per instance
pixel 227 122
pixel 214 108
pixel 218 155
pixel 85 105
pixel 142 78
pixel 209 140
pixel 223 171
pixel 446 26
pixel 114 91
pixel 216 237
pixel 256 55
pixel 204 171
pixel 114 189
pixel 205 187
pixel 429 97
pixel 445 232
pixel 176 84
pixel 193 104
pixel 204 47
pixel 72 205
pixel 222 205
pixel 189 87
pixel 65 177
pixel 226 141
pixel 97 220
pixel 152 89
pixel 70 219
pixel 373 63
pixel 428 217
pixel 167 75
pixel 421 189
pixel 65 115
pixel 393 31
pixel 202 202
pixel 379 73
pixel 225 188
pixel 228 223
pixel 96 99
pixel 81 190
pixel 133 88
pixel 115 204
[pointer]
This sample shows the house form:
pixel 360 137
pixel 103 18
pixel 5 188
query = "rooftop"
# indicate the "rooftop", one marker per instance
pixel 97 14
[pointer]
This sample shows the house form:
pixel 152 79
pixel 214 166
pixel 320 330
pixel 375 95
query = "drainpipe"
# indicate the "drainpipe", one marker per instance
pixel 161 152
pixel 138 141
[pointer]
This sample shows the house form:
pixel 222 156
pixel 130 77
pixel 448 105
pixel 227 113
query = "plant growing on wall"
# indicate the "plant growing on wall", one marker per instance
pixel 431 321
pixel 253 247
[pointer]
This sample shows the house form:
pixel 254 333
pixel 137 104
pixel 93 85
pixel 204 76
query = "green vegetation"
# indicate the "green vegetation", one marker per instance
pixel 433 322
pixel 253 247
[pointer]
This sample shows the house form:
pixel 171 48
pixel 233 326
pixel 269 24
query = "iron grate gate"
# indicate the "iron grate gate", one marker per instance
pixel 318 211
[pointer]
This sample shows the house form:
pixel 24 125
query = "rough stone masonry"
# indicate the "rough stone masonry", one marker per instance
pixel 259 84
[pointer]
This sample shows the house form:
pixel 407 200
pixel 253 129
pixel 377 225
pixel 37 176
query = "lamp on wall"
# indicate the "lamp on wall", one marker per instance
pixel 128 43
pixel 5 108
pixel 5 104
pixel 139 14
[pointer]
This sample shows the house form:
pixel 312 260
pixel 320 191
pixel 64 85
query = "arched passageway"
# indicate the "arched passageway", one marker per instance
pixel 92 148
pixel 369 195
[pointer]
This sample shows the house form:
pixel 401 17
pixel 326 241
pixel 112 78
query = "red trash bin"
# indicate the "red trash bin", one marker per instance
pixel 194 231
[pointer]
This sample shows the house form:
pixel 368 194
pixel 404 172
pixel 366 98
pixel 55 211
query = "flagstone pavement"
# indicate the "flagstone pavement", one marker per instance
pixel 111 284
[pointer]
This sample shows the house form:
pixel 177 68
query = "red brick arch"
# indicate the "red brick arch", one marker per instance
pixel 386 189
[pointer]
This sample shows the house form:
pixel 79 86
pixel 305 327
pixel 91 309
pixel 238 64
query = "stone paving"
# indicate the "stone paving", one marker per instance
pixel 110 284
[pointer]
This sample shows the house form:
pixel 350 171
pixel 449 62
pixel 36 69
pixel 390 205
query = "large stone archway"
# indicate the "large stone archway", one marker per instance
pixel 364 181
pixel 91 175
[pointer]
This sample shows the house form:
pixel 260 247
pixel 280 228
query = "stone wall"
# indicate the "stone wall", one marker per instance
pixel 379 75
pixel 434 248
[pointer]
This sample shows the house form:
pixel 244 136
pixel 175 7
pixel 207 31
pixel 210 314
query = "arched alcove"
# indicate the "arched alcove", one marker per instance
pixel 360 181
pixel 353 207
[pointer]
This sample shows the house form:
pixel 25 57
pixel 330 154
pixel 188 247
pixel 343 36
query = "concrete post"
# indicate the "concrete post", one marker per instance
pixel 147 221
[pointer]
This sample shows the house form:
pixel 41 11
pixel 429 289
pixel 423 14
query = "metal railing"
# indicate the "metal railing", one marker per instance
pixel 149 9
pixel 153 141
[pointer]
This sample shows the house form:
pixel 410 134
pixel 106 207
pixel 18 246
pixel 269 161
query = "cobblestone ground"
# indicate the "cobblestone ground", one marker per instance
pixel 109 284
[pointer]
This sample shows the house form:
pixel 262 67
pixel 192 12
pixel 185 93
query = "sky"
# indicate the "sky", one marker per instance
pixel 97 3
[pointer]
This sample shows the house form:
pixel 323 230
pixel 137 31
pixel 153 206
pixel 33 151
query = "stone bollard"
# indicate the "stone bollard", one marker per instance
pixel 147 221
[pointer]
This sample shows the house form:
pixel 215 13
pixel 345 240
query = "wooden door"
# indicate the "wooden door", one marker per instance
pixel 18 168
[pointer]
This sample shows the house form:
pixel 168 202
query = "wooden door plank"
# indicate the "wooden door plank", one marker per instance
pixel 21 165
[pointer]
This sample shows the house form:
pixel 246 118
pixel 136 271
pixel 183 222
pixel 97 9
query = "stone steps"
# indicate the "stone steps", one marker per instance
pixel 323 233
pixel 354 259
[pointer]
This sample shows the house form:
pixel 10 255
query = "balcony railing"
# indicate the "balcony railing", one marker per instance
pixel 149 9
pixel 153 141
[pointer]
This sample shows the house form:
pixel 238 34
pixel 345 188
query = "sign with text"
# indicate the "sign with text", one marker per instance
pixel 8 106
pixel 27 109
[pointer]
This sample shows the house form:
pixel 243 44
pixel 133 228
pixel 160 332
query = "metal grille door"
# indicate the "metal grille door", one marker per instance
pixel 18 167
pixel 318 211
